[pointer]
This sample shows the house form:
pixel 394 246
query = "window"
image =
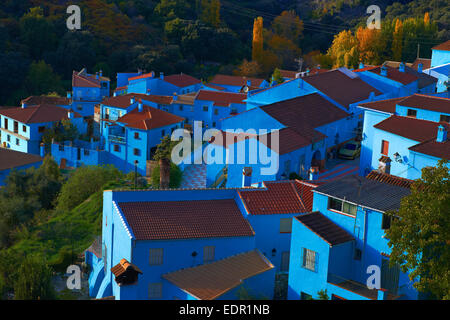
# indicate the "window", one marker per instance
pixel 155 290
pixel 6 124
pixel 386 222
pixel 116 148
pixel 79 107
pixel 208 254
pixel 309 259
pixel 137 152
pixel 136 135
pixel 8 138
pixel 16 127
pixel 61 147
pixel 358 254
pixel 86 152
pixel 285 225
pixel 24 128
pixel 156 257
pixel 163 133
pixel 216 112
pixel 181 107
pixel 41 129
pixel 17 142
pixel 444 118
pixel 342 206
pixel 214 124
pixel 384 147
pixel 205 108
pixel 233 110
pixel 411 113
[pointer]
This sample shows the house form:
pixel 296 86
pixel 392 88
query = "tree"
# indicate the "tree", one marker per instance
pixel 163 154
pixel 397 41
pixel 33 280
pixel 210 12
pixel 276 76
pixel 420 236
pixel 370 45
pixel 288 25
pixel 41 79
pixel 248 69
pixel 257 44
pixel 344 50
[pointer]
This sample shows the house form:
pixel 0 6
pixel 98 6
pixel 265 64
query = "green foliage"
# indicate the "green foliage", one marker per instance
pixel 323 295
pixel 420 237
pixel 41 79
pixel 33 280
pixel 277 77
pixel 84 182
pixel 175 176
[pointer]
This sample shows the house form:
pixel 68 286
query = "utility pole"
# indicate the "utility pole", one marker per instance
pixel 418 50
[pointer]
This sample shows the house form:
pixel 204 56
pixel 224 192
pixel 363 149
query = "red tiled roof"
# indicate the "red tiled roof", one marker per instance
pixel 84 81
pixel 223 99
pixel 278 198
pixel 432 103
pixel 433 148
pixel 210 281
pixel 387 105
pixel 163 220
pixel 149 118
pixel 340 87
pixel 12 159
pixel 394 74
pixel 36 100
pixel 288 74
pixel 426 63
pixel 120 268
pixel 143 76
pixel 214 87
pixel 181 80
pixel 389 179
pixel 305 113
pixel 38 114
pixel 443 46
pixel 238 81
pixel 325 228
pixel 124 101
pixel 411 128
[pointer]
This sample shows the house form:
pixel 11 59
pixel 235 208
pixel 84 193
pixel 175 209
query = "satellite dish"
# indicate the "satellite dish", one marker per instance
pixel 245 89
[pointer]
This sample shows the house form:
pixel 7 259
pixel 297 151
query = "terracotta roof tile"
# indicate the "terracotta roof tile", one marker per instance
pixel 84 81
pixel 325 228
pixel 443 46
pixel 36 100
pixel 223 99
pixel 38 114
pixel 389 179
pixel 387 105
pixel 410 128
pixel 163 220
pixel 124 101
pixel 238 81
pixel 12 159
pixel 181 80
pixel 340 87
pixel 210 281
pixel 120 268
pixel 433 148
pixel 278 198
pixel 149 118
pixel 394 74
pixel 426 63
pixel 421 101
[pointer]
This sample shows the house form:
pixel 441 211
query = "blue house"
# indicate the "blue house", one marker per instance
pixel 238 83
pixel 440 54
pixel 157 243
pixel 440 66
pixel 337 246
pixel 308 127
pixel 22 128
pixel 14 160
pixel 87 91
pixel 403 135
pixel 163 85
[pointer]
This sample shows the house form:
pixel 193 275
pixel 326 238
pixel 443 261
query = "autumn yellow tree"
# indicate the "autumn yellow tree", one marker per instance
pixel 257 45
pixel 288 25
pixel 344 50
pixel 370 45
pixel 248 69
pixel 426 18
pixel 397 41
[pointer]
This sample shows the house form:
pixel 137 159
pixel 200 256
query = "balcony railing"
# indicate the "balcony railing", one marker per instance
pixel 356 287
pixel 116 139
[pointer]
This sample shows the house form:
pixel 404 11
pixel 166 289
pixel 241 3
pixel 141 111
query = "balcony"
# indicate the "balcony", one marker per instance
pixel 116 139
pixel 356 289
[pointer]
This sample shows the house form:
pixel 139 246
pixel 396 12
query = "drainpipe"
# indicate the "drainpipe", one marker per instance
pixel 363 258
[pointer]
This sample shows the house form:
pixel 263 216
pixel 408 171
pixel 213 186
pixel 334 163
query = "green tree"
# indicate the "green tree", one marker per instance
pixel 420 237
pixel 33 280
pixel 163 154
pixel 41 79
pixel 276 76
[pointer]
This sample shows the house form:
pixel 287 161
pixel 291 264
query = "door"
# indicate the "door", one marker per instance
pixel 78 154
pixel 284 261
pixel 389 276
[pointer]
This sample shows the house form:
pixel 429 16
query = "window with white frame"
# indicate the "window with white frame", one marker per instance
pixel 155 290
pixel 342 206
pixel 208 254
pixel 156 256
pixel 309 259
